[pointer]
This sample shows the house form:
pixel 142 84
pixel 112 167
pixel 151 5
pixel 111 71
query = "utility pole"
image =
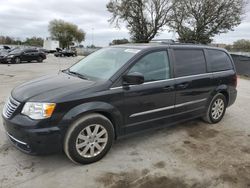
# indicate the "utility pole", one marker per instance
pixel 92 36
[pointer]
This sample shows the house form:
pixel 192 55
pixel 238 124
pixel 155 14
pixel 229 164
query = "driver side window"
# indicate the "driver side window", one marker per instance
pixel 154 66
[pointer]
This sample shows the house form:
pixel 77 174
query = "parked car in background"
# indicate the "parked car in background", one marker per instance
pixel 117 91
pixel 65 53
pixel 43 50
pixel 3 53
pixel 28 55
pixel 5 48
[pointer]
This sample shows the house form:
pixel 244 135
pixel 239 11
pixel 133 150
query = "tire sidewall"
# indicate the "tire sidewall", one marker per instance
pixel 77 127
pixel 40 60
pixel 217 96
pixel 15 60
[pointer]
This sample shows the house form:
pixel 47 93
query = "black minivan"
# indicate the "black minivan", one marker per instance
pixel 117 91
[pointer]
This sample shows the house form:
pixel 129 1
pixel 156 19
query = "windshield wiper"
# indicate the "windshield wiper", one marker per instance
pixel 75 74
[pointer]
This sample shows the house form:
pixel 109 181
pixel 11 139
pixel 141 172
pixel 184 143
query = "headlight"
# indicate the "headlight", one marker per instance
pixel 10 56
pixel 38 110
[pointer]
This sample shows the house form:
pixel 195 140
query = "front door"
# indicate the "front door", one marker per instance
pixel 27 55
pixel 153 100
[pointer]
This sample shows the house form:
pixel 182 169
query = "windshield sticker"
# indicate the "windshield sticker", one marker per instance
pixel 135 51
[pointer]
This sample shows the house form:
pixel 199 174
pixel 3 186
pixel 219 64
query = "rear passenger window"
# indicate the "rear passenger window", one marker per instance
pixel 30 51
pixel 189 62
pixel 218 60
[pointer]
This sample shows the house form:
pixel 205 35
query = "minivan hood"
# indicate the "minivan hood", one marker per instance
pixel 50 88
pixel 3 53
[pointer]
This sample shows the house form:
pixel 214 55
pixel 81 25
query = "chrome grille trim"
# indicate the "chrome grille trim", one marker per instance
pixel 10 107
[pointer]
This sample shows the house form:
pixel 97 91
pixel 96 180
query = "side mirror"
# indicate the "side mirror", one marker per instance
pixel 134 78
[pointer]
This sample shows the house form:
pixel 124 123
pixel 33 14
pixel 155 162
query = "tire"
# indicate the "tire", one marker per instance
pixel 17 60
pixel 216 109
pixel 40 59
pixel 80 148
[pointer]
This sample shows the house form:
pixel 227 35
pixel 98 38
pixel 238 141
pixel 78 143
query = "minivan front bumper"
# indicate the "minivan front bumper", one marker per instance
pixel 33 140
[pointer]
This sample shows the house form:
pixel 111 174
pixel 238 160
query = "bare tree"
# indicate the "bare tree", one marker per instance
pixel 143 18
pixel 242 45
pixel 200 20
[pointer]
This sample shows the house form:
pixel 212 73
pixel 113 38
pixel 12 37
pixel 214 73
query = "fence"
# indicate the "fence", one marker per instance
pixel 242 64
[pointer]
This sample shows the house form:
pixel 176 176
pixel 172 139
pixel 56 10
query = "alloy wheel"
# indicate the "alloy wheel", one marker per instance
pixel 91 140
pixel 17 60
pixel 217 108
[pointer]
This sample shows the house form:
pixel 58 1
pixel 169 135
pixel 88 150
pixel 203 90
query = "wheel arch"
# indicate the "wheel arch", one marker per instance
pixel 112 119
pixel 105 109
pixel 223 89
pixel 226 94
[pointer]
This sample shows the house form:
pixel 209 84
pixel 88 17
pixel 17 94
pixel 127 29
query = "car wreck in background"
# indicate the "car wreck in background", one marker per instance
pixel 65 52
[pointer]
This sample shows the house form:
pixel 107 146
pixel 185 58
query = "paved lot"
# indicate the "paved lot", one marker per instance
pixel 191 154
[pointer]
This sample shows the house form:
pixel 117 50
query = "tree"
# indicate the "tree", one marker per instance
pixel 119 41
pixel 229 47
pixel 7 40
pixel 65 32
pixel 34 41
pixel 144 18
pixel 200 20
pixel 80 36
pixel 242 45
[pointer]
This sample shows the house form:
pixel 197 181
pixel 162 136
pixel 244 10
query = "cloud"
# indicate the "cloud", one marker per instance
pixel 26 18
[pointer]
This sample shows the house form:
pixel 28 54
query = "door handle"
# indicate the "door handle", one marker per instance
pixel 183 85
pixel 168 88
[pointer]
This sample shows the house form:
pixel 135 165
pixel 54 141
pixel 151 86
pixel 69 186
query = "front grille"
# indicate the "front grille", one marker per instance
pixel 10 107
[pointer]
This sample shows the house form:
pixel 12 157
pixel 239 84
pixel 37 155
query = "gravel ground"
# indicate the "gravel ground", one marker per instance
pixel 192 154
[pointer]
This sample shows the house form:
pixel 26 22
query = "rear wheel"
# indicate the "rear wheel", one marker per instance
pixel 89 139
pixel 40 59
pixel 216 109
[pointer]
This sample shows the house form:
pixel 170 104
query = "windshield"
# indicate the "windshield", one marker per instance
pixel 104 63
pixel 15 51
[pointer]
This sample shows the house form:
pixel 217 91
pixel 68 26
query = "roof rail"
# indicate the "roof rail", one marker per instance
pixel 191 42
pixel 163 41
pixel 173 42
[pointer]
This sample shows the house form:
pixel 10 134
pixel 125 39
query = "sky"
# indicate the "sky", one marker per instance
pixel 27 18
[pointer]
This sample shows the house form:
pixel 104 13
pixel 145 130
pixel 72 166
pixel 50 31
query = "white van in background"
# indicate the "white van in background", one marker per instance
pixel 50 45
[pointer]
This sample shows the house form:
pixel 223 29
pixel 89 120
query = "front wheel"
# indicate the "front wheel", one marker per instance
pixel 17 60
pixel 216 109
pixel 89 139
